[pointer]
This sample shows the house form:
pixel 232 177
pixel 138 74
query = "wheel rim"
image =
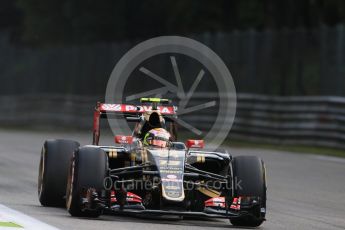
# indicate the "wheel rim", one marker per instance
pixel 70 185
pixel 41 172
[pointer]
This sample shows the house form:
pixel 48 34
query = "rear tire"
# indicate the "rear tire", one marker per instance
pixel 88 169
pixel 53 170
pixel 250 172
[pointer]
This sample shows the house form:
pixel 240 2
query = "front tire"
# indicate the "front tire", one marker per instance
pixel 53 170
pixel 88 169
pixel 250 172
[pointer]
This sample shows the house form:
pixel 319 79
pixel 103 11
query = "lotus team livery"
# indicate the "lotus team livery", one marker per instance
pixel 150 172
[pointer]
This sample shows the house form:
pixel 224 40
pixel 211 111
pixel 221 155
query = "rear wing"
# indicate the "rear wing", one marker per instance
pixel 135 109
pixel 131 113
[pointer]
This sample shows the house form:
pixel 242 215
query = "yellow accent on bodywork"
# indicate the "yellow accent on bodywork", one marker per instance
pixel 153 99
pixel 112 153
pixel 200 158
pixel 209 192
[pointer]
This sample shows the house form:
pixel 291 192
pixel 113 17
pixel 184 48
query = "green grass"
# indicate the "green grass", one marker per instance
pixel 290 148
pixel 9 225
pixel 182 136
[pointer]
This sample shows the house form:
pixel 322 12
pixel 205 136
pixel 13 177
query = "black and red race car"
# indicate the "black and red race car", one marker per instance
pixel 132 178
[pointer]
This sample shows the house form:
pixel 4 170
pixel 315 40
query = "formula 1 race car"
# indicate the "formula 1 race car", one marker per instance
pixel 150 172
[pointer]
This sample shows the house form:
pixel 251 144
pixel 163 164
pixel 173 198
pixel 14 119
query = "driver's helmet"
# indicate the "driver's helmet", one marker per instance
pixel 157 137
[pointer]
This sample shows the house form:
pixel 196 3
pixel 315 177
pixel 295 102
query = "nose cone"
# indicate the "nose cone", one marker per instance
pixel 170 164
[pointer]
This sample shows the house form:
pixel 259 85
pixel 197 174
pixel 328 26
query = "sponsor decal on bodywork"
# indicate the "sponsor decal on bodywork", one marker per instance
pixel 135 109
pixel 171 167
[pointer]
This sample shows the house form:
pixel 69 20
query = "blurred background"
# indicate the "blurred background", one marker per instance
pixel 287 59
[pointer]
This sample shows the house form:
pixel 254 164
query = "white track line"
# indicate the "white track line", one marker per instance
pixel 26 222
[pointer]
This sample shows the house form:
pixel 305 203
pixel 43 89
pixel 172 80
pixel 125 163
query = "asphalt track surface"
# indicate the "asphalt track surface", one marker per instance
pixel 304 191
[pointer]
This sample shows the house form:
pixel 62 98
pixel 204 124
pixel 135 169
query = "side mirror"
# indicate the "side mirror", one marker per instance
pixel 120 139
pixel 195 144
